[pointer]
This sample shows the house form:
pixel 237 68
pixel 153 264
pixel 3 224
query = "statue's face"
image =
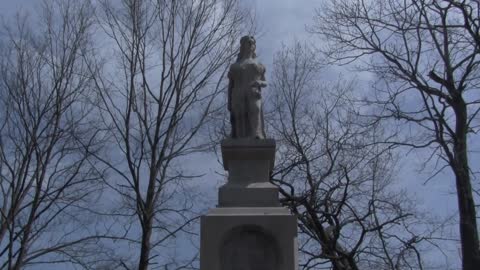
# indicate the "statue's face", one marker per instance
pixel 248 43
pixel 251 44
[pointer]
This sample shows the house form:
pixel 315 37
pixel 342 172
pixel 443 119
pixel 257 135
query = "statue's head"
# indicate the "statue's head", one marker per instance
pixel 247 47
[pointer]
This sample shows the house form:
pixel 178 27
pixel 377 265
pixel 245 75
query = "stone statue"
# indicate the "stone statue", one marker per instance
pixel 246 79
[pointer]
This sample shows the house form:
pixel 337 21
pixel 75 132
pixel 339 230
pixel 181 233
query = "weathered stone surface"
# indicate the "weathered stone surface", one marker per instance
pixel 267 231
pixel 253 195
pixel 248 162
pixel 246 79
pixel 248 149
pixel 248 247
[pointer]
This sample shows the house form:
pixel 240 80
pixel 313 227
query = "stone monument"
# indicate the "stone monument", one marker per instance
pixel 249 230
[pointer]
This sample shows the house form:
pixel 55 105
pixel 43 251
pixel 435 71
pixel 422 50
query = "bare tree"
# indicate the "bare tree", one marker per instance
pixel 45 173
pixel 169 62
pixel 470 11
pixel 335 177
pixel 425 55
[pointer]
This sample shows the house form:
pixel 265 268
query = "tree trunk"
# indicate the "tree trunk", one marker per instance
pixel 466 204
pixel 145 250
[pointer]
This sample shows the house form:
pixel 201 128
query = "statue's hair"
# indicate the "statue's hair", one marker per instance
pixel 241 54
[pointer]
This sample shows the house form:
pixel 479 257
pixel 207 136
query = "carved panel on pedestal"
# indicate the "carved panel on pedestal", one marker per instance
pixel 249 248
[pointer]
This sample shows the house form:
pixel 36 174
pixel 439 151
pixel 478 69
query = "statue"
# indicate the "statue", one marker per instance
pixel 246 79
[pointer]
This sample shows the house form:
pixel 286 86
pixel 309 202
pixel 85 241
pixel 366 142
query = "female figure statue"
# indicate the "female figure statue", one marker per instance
pixel 246 79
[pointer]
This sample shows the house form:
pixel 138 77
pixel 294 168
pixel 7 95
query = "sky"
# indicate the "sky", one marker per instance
pixel 282 22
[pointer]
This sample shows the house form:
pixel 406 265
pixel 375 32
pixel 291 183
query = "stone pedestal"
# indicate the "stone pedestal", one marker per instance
pixel 249 230
pixel 249 163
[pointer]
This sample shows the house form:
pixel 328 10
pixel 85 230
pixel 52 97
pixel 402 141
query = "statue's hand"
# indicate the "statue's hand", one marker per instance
pixel 257 92
pixel 259 83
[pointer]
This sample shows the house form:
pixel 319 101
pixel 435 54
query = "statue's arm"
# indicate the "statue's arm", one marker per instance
pixel 264 81
pixel 261 82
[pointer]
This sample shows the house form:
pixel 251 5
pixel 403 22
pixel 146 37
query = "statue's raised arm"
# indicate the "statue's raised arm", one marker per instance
pixel 246 80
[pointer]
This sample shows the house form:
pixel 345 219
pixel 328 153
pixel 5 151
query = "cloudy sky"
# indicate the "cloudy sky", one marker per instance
pixel 282 22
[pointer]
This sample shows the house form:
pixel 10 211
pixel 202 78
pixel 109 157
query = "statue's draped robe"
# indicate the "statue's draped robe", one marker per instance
pixel 246 102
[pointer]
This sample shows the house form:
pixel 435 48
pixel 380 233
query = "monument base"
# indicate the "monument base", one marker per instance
pixel 251 238
pixel 249 162
pixel 249 230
